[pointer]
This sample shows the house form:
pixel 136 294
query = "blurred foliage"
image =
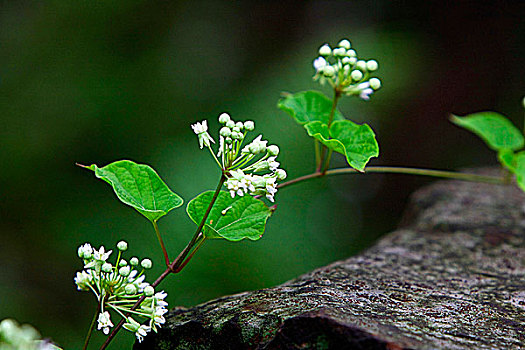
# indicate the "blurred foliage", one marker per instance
pixel 94 82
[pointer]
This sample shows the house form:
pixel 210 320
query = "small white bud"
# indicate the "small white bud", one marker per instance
pixel 319 63
pixel 146 263
pixel 122 246
pixel 325 50
pixel 356 75
pixel 134 261
pixel 339 52
pixel 361 64
pixel 346 60
pixel 240 125
pixel 224 118
pixel 230 124
pixel 122 262
pixel 225 131
pixel 124 271
pixel 249 125
pixel 328 71
pixel 107 267
pixel 375 83
pixel 281 174
pixel 344 43
pixel 372 65
pixel 351 53
pixel 236 135
pixel 353 60
pixel 273 150
pixel 149 291
pixel 130 289
pixel 228 140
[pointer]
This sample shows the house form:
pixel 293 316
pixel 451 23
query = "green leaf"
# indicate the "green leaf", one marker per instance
pixel 308 106
pixel 356 142
pixel 495 129
pixel 507 159
pixel 140 187
pixel 520 169
pixel 230 218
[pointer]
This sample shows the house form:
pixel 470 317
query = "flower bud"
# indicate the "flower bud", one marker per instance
pixel 328 71
pixel 230 124
pixel 375 83
pixel 122 246
pixel 344 43
pixel 339 52
pixel 361 64
pixel 236 129
pixel 228 140
pixel 356 75
pixel 345 60
pixel 240 125
pixel 224 118
pixel 85 251
pixel 236 135
pixel 325 50
pixel 351 53
pixel 249 125
pixel 107 267
pixel 130 289
pixel 146 263
pixel 149 291
pixel 372 65
pixel 122 262
pixel 281 174
pixel 124 271
pixel 134 261
pixel 273 150
pixel 225 131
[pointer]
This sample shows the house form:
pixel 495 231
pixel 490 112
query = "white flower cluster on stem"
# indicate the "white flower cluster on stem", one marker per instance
pixel 250 169
pixel 118 287
pixel 343 70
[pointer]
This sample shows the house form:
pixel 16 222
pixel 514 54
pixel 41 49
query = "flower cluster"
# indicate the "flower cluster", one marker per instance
pixel 344 71
pixel 14 336
pixel 118 287
pixel 239 163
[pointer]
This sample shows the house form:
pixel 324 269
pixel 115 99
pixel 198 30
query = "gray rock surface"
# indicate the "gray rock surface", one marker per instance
pixel 452 277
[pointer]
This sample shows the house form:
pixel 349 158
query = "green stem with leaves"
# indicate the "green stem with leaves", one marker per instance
pixel 178 264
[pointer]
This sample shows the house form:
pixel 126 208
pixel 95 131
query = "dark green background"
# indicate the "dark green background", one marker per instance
pixel 98 81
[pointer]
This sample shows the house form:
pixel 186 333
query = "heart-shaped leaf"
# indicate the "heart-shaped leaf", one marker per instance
pixel 308 106
pixel 230 218
pixel 495 129
pixel 356 142
pixel 140 187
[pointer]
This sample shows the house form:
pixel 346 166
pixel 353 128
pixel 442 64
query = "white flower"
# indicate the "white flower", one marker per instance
pixel 319 64
pixel 224 118
pixel 365 94
pixel 142 331
pixel 273 150
pixel 372 65
pixel 101 255
pixel 271 188
pixel 356 75
pixel 201 129
pixel 344 44
pixel 83 279
pixel 104 322
pixel 85 251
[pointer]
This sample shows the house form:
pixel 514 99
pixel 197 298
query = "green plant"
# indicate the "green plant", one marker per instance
pixel 249 177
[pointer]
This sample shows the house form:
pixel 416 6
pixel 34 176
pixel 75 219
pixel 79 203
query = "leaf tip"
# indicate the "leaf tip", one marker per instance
pixel 89 167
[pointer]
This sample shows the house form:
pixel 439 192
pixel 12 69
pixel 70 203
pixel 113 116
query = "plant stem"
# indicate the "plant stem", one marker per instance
pixel 317 152
pixel 91 327
pixel 400 170
pixel 337 95
pixel 166 258
pixel 178 264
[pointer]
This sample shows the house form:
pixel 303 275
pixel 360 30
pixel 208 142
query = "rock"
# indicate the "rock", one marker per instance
pixel 452 277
